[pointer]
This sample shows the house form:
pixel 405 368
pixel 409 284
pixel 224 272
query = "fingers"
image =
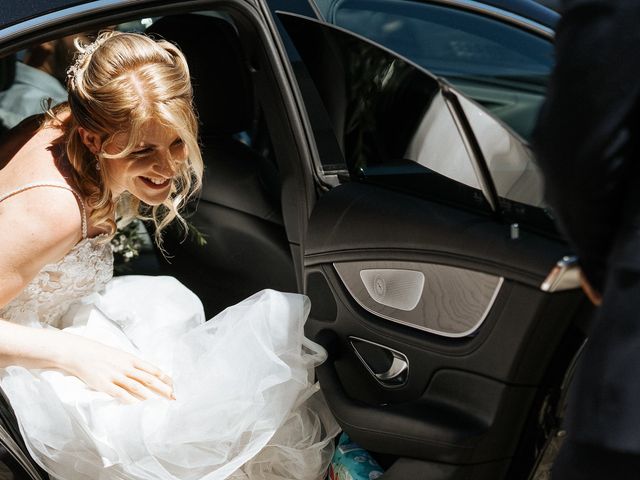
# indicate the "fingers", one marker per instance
pixel 153 370
pixel 133 388
pixel 121 394
pixel 592 293
pixel 152 382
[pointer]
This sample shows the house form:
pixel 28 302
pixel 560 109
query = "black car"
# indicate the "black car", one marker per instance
pixel 394 186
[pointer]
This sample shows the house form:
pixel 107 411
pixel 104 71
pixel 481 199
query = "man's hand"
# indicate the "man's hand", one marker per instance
pixel 592 293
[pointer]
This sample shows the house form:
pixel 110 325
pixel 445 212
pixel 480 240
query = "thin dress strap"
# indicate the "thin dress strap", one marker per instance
pixel 28 186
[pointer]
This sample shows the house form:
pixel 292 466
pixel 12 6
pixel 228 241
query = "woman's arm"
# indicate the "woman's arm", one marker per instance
pixel 30 347
pixel 38 227
pixel 103 368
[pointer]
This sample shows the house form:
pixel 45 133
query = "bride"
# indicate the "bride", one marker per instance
pixel 122 378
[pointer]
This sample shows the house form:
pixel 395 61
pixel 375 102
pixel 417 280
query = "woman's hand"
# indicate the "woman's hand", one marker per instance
pixel 113 371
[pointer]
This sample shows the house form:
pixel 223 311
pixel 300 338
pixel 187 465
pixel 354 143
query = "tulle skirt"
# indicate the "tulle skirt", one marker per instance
pixel 246 404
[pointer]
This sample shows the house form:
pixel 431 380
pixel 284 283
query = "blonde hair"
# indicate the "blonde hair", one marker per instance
pixel 118 83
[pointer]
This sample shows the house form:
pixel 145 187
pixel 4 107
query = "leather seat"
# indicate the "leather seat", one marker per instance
pixel 7 77
pixel 239 208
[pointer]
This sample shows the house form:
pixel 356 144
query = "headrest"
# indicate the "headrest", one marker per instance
pixel 7 71
pixel 223 92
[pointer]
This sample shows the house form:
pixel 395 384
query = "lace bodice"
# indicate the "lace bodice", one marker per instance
pixel 85 269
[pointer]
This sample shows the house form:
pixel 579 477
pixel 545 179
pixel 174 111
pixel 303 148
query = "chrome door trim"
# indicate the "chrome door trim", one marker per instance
pixel 399 366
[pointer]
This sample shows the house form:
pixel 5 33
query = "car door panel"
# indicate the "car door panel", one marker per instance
pixel 453 235
pixel 465 399
pixel 414 237
pixel 399 382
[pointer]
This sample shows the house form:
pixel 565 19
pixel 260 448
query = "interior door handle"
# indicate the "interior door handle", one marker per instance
pixel 389 367
pixel 397 368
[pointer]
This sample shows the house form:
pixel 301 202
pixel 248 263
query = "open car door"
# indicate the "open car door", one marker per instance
pixel 438 283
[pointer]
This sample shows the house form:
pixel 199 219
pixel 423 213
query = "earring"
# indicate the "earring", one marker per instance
pixel 97 164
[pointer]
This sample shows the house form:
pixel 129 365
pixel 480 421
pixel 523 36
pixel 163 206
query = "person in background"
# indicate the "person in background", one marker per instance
pixel 587 145
pixel 40 76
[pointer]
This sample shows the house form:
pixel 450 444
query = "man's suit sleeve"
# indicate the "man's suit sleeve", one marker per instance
pixel 583 138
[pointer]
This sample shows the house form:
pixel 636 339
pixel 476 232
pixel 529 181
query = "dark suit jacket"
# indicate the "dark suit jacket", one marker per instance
pixel 588 133
pixel 587 143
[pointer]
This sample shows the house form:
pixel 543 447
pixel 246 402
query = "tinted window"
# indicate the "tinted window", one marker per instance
pixel 502 67
pixel 514 172
pixel 397 126
pixel 389 118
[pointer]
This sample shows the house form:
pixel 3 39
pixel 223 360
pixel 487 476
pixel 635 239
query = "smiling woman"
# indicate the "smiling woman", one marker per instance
pixel 132 118
pixel 148 170
pixel 122 378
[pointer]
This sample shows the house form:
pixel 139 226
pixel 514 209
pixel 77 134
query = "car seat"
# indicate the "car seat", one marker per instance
pixel 7 77
pixel 239 208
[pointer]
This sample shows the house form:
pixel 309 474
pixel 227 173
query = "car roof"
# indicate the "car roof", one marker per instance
pixel 539 11
pixel 552 4
pixel 14 11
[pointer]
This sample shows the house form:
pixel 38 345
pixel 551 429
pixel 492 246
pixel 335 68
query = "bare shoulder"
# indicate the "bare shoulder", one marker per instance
pixel 27 153
pixel 45 216
pixel 38 226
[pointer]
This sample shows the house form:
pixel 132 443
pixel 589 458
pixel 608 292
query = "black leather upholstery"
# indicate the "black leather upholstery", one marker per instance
pixel 220 78
pixel 239 207
pixel 7 71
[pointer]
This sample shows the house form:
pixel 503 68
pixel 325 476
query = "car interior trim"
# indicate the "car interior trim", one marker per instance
pixel 398 372
pixel 473 294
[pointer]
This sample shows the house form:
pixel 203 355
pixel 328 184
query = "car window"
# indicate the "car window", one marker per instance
pixel 513 169
pixel 390 121
pixel 500 66
pixel 400 127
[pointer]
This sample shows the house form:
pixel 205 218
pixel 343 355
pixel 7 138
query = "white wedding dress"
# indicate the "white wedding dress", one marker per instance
pixel 246 404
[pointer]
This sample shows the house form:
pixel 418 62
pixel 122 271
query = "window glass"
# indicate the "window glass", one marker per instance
pixel 389 118
pixel 436 144
pixel 396 126
pixel 514 172
pixel 500 66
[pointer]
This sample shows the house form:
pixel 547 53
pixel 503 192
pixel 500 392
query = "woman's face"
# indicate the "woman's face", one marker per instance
pixel 148 171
